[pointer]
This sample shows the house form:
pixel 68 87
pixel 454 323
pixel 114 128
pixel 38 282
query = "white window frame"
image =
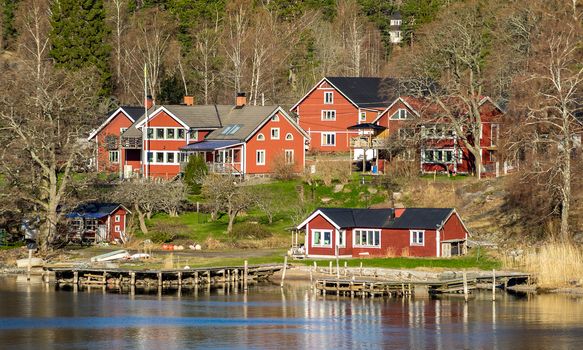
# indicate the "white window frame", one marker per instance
pixel 117 228
pixel 494 137
pixel 324 137
pixel 116 160
pixel 193 135
pixel 118 218
pixel 260 137
pixel 397 114
pixel 257 156
pixel 275 118
pixel 321 245
pixel 356 233
pixel 291 159
pixel 289 136
pixel 275 137
pixel 328 97
pixel 414 238
pixel 328 115
pixel 164 157
pixel 341 233
pixel 122 130
pixel 362 116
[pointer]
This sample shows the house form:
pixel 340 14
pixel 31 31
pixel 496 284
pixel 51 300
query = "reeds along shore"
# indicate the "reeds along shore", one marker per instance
pixel 554 264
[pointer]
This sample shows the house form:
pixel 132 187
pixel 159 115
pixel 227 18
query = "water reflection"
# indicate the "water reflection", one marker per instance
pixel 35 315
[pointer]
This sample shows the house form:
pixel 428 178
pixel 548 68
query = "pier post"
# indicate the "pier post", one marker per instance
pixel 75 277
pixel 284 269
pixel 361 268
pixel 159 279
pixel 465 278
pixel 245 272
pixel 346 268
pixel 29 267
pixel 179 278
pixel 315 266
pixel 494 285
pixel 196 278
pixel 330 268
pixel 311 277
pixel 132 278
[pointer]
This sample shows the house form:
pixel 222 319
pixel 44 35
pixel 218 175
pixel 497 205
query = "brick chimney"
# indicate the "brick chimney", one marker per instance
pixel 241 100
pixel 188 100
pixel 149 102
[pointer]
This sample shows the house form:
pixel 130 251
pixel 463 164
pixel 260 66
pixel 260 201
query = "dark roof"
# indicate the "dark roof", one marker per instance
pixel 396 15
pixel 93 210
pixel 421 218
pixel 353 217
pixel 209 145
pixel 366 126
pixel 367 92
pixel 135 112
pixel 411 218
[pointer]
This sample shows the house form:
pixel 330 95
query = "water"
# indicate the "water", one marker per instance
pixel 39 317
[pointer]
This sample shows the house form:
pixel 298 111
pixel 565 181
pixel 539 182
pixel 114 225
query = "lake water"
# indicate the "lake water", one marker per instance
pixel 35 316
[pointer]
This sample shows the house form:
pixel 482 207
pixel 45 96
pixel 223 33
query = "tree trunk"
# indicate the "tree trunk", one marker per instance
pixel 566 194
pixel 232 217
pixel 141 219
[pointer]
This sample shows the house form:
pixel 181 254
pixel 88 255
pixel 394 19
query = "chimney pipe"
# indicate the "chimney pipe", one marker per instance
pixel 188 100
pixel 149 102
pixel 241 100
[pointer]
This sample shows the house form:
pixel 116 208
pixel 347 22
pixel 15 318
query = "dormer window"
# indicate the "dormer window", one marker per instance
pixel 362 116
pixel 260 137
pixel 396 22
pixel 275 118
pixel 328 97
pixel 289 136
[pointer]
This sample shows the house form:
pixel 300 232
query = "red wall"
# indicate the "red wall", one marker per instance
pixel 310 119
pixel 113 129
pixel 122 224
pixel 274 148
pixel 453 229
pixel 320 222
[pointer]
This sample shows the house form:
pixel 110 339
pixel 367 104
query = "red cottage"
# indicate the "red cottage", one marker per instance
pixel 107 151
pixel 347 232
pixel 98 222
pixel 336 103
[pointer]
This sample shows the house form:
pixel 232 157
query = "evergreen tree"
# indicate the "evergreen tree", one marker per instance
pixel 195 173
pixel 8 28
pixel 78 37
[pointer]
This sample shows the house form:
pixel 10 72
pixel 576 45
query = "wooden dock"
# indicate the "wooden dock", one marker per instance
pixel 363 288
pixel 164 278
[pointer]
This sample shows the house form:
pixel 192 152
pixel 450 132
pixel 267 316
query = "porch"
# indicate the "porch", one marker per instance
pixel 221 156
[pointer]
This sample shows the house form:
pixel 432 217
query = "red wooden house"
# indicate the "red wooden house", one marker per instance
pixel 335 103
pixel 238 139
pixel 348 232
pixel 98 222
pixel 438 147
pixel 107 150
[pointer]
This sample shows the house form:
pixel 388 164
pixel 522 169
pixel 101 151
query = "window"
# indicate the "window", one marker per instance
pixel 231 129
pixel 170 134
pixel 182 157
pixel 328 139
pixel 150 134
pixel 396 22
pixel 362 116
pixel 260 137
pixel 289 136
pixel 159 133
pixel 400 114
pixel 117 228
pixel 321 238
pixel 150 157
pixel 122 130
pixel 170 157
pixel 181 134
pixel 289 156
pixel 91 224
pixel 341 239
pixel 367 238
pixel 114 156
pixel 494 136
pixel 260 157
pixel 159 157
pixel 275 118
pixel 328 97
pixel 417 237
pixel 439 156
pixel 193 135
pixel 275 133
pixel 328 115
pixel 118 218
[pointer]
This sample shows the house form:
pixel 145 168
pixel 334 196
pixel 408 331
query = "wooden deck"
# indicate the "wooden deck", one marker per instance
pixel 164 278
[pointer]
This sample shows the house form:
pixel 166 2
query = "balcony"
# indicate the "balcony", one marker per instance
pixel 219 168
pixel 364 142
pixel 131 142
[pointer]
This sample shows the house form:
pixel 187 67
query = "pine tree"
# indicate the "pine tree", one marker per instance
pixel 78 37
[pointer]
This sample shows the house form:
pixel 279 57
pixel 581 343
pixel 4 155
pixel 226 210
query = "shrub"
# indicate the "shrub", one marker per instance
pixel 164 232
pixel 330 171
pixel 194 173
pixel 281 169
pixel 249 230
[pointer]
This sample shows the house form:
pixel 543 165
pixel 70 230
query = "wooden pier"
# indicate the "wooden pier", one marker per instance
pixel 363 288
pixel 164 278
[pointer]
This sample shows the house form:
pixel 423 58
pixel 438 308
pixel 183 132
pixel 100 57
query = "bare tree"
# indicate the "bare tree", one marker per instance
pixel 206 45
pixel 143 196
pixel 236 35
pixel 174 194
pixel 118 17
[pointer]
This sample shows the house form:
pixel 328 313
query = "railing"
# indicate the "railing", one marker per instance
pixel 111 142
pixel 224 168
pixel 363 142
pixel 131 142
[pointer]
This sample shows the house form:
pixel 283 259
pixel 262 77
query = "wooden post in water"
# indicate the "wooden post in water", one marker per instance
pixel 179 278
pixel 132 278
pixel 75 277
pixel 330 268
pixel 346 268
pixel 284 269
pixel 311 277
pixel 29 265
pixel 361 268
pixel 465 278
pixel 159 279
pixel 494 285
pixel 245 272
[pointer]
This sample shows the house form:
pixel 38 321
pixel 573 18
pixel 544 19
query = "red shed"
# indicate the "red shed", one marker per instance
pixel 350 232
pixel 98 222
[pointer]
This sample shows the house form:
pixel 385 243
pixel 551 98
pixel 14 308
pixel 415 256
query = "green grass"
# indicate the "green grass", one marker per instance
pixel 465 262
pixel 444 177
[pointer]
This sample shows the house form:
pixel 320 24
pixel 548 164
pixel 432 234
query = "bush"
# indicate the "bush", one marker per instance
pixel 282 170
pixel 330 171
pixel 194 173
pixel 164 232
pixel 249 230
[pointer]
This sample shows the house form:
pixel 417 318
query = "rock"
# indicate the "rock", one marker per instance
pixel 338 188
pixel 397 196
pixel 372 190
pixel 326 199
pixel 197 247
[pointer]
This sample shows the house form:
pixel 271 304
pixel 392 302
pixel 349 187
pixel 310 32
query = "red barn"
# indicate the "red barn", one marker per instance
pixel 336 103
pixel 98 222
pixel 107 151
pixel 349 232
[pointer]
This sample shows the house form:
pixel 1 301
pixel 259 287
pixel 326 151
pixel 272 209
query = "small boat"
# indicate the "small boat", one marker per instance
pixel 115 255
pixel 34 262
